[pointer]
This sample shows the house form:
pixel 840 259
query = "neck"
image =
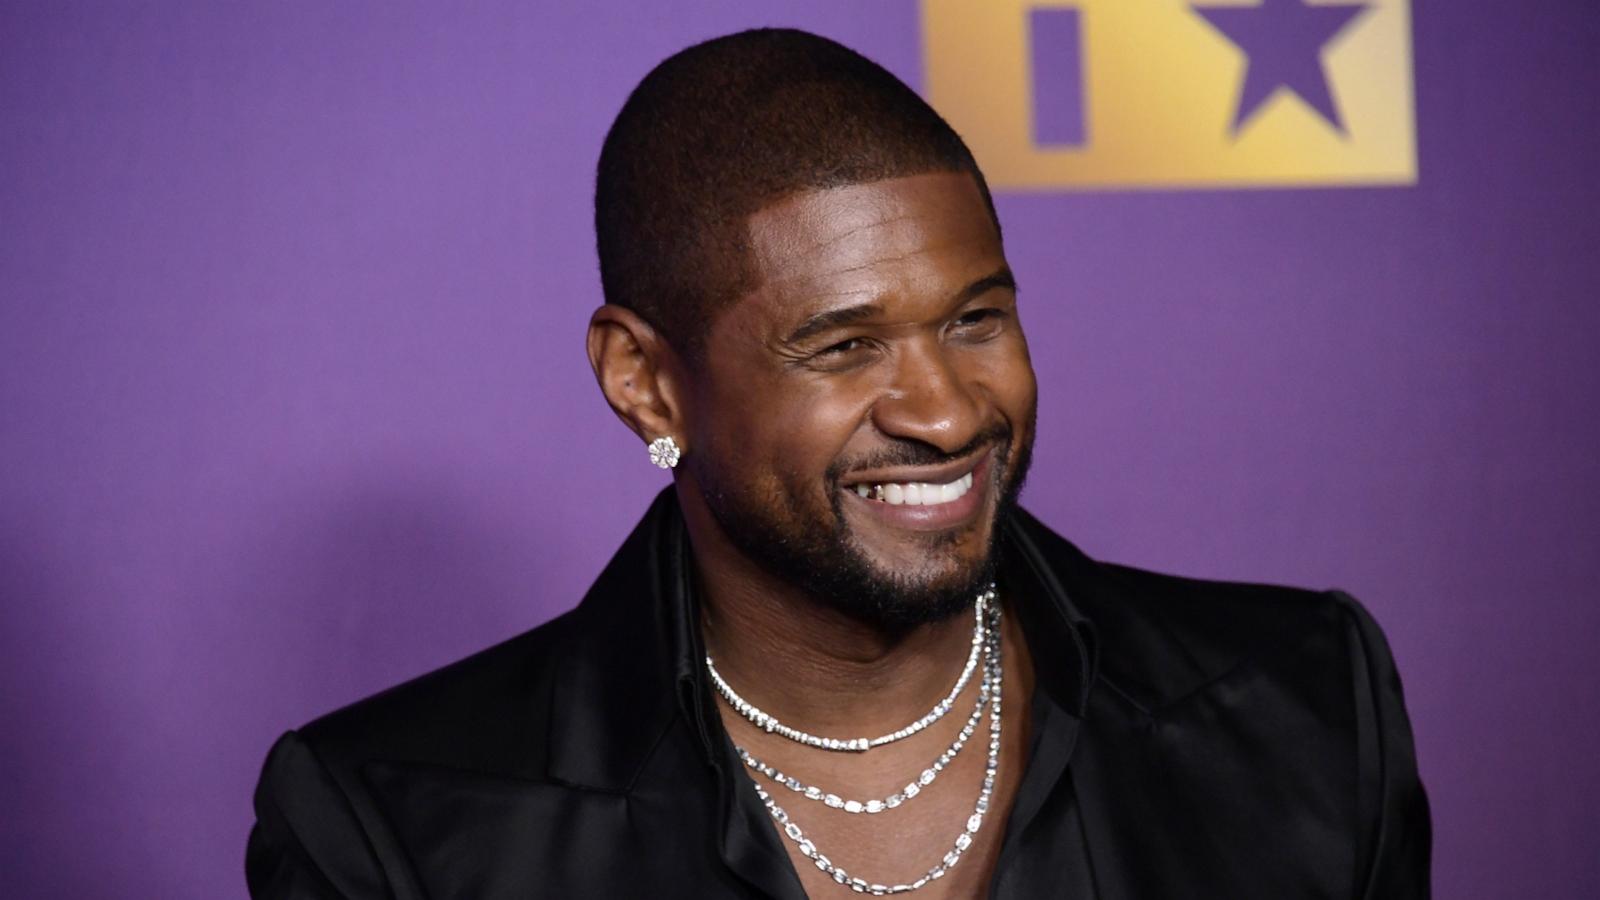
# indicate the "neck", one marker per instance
pixel 802 660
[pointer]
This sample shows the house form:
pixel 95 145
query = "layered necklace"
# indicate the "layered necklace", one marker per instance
pixel 985 646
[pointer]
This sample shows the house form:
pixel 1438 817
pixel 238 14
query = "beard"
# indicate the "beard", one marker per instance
pixel 819 554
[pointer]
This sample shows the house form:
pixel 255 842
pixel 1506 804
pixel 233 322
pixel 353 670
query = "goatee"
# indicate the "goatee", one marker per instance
pixel 824 560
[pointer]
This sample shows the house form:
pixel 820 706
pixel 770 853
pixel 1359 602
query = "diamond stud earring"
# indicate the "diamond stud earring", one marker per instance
pixel 664 452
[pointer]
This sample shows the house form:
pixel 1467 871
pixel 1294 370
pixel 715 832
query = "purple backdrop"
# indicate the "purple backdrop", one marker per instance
pixel 293 403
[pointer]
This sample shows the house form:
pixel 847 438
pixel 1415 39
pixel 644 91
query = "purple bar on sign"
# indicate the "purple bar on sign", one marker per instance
pixel 1056 54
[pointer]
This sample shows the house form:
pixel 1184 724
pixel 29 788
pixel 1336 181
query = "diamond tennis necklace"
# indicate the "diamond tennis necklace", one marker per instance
pixel 988 640
pixel 912 788
pixel 769 722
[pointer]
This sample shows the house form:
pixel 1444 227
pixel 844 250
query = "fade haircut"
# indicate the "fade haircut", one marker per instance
pixel 724 128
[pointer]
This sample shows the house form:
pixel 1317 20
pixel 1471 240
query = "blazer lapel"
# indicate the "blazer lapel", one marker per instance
pixel 614 696
pixel 634 681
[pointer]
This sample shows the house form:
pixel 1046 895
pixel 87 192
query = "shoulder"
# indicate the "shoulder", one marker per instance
pixel 486 712
pixel 1162 637
pixel 318 827
pixel 1214 701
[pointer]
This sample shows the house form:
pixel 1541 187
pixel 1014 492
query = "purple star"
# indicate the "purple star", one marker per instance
pixel 1283 41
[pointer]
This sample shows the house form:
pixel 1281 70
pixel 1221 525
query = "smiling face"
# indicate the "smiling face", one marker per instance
pixel 865 415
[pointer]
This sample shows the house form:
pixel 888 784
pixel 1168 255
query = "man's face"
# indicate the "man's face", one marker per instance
pixel 881 354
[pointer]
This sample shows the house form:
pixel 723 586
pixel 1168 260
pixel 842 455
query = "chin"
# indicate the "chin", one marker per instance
pixel 917 581
pixel 864 565
pixel 933 557
pixel 895 604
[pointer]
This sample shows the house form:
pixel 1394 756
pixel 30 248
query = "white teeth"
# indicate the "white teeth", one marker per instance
pixel 916 493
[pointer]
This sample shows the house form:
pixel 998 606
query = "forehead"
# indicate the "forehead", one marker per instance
pixel 862 242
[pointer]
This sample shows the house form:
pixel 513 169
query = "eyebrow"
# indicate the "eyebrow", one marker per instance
pixel 845 315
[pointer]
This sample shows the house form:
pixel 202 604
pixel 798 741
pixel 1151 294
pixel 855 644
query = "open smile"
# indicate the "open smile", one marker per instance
pixel 924 500
pixel 916 493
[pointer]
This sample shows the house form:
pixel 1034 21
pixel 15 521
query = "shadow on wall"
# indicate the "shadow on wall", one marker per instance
pixel 350 586
pixel 382 584
pixel 136 709
pixel 57 707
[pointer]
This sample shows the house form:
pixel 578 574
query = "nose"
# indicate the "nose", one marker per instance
pixel 930 399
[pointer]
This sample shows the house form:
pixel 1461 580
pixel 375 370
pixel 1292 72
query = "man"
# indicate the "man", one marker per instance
pixel 836 655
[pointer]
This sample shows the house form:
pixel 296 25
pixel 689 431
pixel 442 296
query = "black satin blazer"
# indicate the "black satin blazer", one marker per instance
pixel 1225 741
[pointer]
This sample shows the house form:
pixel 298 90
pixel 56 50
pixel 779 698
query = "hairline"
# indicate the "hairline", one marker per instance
pixel 744 283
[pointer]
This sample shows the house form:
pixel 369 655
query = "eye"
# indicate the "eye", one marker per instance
pixel 842 347
pixel 840 356
pixel 979 321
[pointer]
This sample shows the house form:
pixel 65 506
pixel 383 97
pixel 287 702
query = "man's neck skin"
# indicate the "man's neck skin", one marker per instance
pixel 815 668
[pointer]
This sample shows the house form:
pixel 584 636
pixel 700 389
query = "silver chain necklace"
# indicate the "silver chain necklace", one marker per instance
pixel 770 723
pixel 912 788
pixel 989 628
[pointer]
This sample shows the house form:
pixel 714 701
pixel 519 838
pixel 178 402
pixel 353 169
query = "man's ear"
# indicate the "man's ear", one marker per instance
pixel 639 373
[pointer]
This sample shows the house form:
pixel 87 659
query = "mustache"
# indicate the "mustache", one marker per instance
pixel 918 453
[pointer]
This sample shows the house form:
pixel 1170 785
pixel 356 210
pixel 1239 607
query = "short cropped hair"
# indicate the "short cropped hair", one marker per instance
pixel 724 128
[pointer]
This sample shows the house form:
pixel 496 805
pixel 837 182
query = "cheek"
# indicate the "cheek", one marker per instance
pixel 776 440
pixel 809 432
pixel 1007 376
pixel 1022 392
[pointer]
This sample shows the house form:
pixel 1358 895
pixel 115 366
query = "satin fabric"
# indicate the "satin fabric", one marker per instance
pixel 1190 740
